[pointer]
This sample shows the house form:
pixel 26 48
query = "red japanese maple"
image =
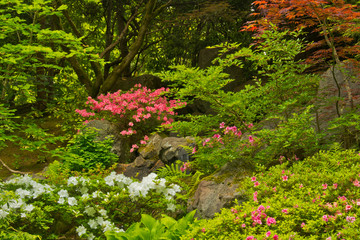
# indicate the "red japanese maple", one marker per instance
pixel 327 18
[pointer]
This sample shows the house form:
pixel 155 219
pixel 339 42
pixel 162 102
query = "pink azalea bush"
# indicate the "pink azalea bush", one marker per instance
pixel 136 112
pixel 225 144
pixel 320 199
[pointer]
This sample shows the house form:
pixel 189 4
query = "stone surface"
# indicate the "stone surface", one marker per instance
pixel 328 93
pixel 219 190
pixel 152 148
pixel 172 149
pixel 107 129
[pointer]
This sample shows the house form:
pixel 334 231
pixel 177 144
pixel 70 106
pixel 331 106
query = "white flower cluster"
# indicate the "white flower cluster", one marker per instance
pixel 78 190
pixel 32 190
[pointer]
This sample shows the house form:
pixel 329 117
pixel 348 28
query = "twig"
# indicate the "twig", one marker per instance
pixel 11 170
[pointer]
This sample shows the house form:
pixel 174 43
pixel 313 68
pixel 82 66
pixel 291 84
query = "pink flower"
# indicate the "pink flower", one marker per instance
pixel 251 139
pixel 303 225
pixel 325 186
pixel 193 150
pixel 146 138
pixel 233 210
pixel 256 184
pixel 250 238
pixel 268 234
pixel 243 225
pixel 142 142
pixel 350 219
pixel 135 146
pixel 255 196
pixel 325 218
pixel 270 221
pixel 285 178
pixel 276 237
pixel 356 183
pixel 274 189
pixel 329 238
pixel 348 207
pixel 301 186
pixel 131 124
pixel 342 198
pixel 250 125
pixel 285 210
pixel 222 125
pixel 203 230
pixel 253 179
pixel 335 185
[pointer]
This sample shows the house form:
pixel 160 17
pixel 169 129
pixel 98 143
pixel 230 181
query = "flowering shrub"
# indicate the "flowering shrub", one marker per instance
pixel 86 206
pixel 318 198
pixel 138 111
pixel 226 144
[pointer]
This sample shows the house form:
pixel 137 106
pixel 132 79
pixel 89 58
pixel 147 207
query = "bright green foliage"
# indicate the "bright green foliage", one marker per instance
pixel 291 139
pixel 85 152
pixel 7 125
pixel 150 228
pixel 313 199
pixel 280 88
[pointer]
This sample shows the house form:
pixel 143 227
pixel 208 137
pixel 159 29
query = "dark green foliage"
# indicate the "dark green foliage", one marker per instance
pixel 85 152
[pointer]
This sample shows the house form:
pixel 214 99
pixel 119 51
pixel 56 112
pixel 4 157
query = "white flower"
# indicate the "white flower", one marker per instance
pixel 91 236
pixel 61 200
pixel 81 230
pixel 83 190
pixel 72 201
pixel 85 196
pixel 171 207
pixel 96 194
pixel 90 211
pixel 13 203
pixel 102 212
pixel 100 220
pixel 22 193
pixel 29 208
pixel 63 193
pixel 3 213
pixel 108 226
pixel 93 224
pixel 23 215
pixel 72 181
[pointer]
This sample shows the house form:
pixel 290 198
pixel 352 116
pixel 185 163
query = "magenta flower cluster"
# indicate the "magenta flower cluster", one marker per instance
pixel 136 105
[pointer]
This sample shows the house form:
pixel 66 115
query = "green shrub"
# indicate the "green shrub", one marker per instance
pixel 150 228
pixel 85 152
pixel 317 198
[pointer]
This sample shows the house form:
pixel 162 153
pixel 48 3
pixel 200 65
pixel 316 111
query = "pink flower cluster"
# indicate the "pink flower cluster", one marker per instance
pixel 228 130
pixel 134 106
pixel 185 166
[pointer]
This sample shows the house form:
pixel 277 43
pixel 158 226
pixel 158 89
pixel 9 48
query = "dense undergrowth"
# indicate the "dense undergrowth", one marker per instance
pixel 304 186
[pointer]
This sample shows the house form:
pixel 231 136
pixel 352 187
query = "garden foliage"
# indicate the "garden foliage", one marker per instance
pixel 317 198
pixel 87 207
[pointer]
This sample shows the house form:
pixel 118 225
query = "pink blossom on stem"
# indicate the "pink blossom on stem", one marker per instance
pixel 268 234
pixel 270 221
pixel 285 178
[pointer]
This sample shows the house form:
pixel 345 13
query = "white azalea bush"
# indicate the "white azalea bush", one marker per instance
pixel 83 206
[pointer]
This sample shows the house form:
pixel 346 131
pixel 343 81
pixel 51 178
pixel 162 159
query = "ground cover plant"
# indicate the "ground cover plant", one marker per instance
pixel 82 206
pixel 317 198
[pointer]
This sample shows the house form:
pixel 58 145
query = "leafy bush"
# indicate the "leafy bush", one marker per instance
pixel 150 228
pixel 85 152
pixel 82 206
pixel 273 92
pixel 292 139
pixel 226 144
pixel 317 198
pixel 136 113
